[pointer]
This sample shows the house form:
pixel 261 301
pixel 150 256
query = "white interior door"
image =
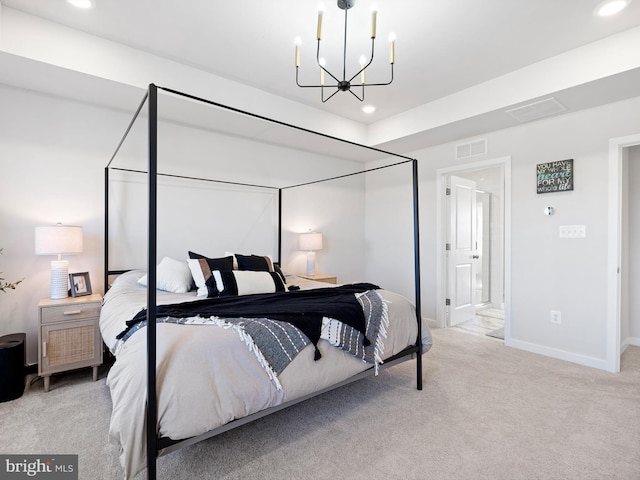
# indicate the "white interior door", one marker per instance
pixel 462 253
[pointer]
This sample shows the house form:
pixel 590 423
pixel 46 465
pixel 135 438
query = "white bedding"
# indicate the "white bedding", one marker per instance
pixel 207 376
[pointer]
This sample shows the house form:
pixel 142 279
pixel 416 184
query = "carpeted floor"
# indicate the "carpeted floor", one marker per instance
pixel 486 412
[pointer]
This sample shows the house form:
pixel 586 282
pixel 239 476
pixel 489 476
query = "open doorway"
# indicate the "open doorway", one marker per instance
pixel 474 212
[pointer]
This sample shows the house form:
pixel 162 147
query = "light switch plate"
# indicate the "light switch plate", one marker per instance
pixel 573 231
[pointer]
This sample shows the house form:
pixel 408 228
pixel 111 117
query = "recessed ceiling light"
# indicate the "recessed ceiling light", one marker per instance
pixel 81 3
pixel 610 7
pixel 368 109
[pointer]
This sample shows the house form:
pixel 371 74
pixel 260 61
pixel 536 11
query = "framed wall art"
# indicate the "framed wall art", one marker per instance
pixel 554 176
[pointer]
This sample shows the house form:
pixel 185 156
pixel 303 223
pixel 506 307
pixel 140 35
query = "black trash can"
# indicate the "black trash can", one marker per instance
pixel 12 359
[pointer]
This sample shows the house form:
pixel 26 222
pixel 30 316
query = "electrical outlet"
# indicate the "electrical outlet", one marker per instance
pixel 556 317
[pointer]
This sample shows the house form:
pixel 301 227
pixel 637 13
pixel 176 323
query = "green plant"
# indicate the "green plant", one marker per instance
pixel 4 286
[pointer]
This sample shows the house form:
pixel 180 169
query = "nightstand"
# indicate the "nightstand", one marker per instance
pixel 69 335
pixel 321 277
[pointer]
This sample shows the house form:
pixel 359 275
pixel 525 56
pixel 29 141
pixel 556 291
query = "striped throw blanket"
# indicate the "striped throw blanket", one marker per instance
pixel 275 343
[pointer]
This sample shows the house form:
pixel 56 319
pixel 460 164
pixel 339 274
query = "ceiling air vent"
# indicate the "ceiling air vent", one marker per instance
pixel 536 110
pixel 471 149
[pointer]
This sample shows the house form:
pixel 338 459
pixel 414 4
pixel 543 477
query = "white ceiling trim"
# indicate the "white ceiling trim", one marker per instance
pixel 103 68
pixel 50 43
pixel 598 60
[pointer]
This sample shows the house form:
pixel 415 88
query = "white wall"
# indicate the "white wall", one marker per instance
pixel 548 273
pixel 53 154
pixel 389 229
pixel 634 246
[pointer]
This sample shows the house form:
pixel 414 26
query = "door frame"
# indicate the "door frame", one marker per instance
pixel 614 249
pixel 441 233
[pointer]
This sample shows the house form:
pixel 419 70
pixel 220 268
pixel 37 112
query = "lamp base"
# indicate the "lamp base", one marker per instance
pixel 59 279
pixel 311 263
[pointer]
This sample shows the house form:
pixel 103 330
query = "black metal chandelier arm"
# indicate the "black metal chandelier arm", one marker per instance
pixel 380 84
pixel 312 86
pixel 324 100
pixel 320 65
pixel 373 42
pixel 356 95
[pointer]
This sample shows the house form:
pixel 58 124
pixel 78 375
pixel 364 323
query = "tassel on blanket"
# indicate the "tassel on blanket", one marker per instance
pixel 370 347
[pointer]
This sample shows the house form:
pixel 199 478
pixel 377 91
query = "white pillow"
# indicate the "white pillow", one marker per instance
pixel 171 276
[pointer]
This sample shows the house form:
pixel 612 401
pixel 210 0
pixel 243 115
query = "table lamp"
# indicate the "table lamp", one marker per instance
pixel 58 240
pixel 310 242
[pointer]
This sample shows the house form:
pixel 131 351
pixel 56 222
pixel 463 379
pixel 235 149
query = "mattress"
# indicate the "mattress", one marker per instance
pixel 207 376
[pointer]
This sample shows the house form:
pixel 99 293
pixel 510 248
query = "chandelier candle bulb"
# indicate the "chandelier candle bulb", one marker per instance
pixel 374 17
pixel 320 13
pixel 297 55
pixel 392 48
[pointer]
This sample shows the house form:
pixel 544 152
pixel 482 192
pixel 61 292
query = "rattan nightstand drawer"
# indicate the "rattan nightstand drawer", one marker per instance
pixel 66 313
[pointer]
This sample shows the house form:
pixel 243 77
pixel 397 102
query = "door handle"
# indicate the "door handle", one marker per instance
pixel 475 256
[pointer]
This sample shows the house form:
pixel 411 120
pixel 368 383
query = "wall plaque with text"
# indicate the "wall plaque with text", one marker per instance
pixel 555 176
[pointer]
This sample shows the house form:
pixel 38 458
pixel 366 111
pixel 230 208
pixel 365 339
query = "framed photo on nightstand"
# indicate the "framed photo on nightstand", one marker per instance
pixel 80 284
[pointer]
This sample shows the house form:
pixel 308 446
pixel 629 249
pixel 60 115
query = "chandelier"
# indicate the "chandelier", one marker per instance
pixel 345 84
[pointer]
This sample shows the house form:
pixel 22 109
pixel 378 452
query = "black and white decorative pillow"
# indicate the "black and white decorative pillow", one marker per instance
pixel 257 263
pixel 246 282
pixel 201 270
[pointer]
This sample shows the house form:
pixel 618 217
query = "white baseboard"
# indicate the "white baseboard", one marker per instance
pixel 585 360
pixel 635 341
pixel 431 322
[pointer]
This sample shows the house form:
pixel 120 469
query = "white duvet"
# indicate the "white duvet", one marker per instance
pixel 206 376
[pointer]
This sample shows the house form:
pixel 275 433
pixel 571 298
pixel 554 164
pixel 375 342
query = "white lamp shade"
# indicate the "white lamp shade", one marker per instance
pixel 311 241
pixel 58 240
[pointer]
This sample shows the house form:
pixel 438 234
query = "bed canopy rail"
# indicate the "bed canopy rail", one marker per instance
pixel 156 446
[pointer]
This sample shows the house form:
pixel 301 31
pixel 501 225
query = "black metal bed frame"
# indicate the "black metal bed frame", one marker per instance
pixel 157 446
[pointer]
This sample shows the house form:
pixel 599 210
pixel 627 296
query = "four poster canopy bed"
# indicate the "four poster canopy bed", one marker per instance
pixel 248 339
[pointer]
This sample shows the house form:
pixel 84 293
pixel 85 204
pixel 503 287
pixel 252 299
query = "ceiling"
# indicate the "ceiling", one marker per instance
pixel 441 48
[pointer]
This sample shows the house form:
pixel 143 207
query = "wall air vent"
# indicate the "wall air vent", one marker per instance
pixel 536 110
pixel 471 149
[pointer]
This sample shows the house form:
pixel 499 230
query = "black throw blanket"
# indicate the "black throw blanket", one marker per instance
pixel 303 309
